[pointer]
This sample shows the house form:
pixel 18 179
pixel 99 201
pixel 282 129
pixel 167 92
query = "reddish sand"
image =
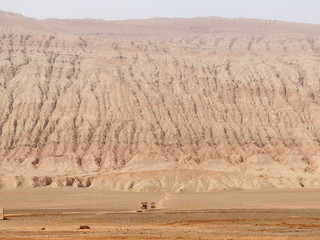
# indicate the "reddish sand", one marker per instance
pixel 110 215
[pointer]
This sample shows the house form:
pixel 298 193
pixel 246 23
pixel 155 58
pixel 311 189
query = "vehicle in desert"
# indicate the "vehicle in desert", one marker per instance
pixel 144 205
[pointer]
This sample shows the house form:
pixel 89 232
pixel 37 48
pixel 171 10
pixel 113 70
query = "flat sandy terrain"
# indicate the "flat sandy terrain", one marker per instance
pixel 222 215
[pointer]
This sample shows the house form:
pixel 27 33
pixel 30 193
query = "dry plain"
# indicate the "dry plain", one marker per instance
pixel 216 120
pixel 113 215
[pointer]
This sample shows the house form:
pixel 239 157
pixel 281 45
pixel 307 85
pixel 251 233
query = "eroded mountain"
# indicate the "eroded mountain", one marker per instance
pixel 159 105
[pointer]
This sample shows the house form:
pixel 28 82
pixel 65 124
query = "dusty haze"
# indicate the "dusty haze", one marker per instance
pixel 175 105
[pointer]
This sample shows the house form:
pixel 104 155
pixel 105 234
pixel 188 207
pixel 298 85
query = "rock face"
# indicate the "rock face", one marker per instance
pixel 159 105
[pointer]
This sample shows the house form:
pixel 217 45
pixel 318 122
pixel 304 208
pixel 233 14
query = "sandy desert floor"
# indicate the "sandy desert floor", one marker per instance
pixel 110 215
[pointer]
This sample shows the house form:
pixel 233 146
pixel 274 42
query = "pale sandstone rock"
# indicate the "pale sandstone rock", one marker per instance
pixel 1 213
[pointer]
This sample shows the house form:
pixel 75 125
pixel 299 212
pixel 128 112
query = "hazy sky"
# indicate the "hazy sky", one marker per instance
pixel 288 10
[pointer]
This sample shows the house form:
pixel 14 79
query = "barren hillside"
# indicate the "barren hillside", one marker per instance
pixel 159 105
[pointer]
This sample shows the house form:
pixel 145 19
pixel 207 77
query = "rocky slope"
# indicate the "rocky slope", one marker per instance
pixel 159 105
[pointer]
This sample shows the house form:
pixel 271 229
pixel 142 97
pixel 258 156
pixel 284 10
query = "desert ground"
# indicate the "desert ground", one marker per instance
pixel 46 213
pixel 216 120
